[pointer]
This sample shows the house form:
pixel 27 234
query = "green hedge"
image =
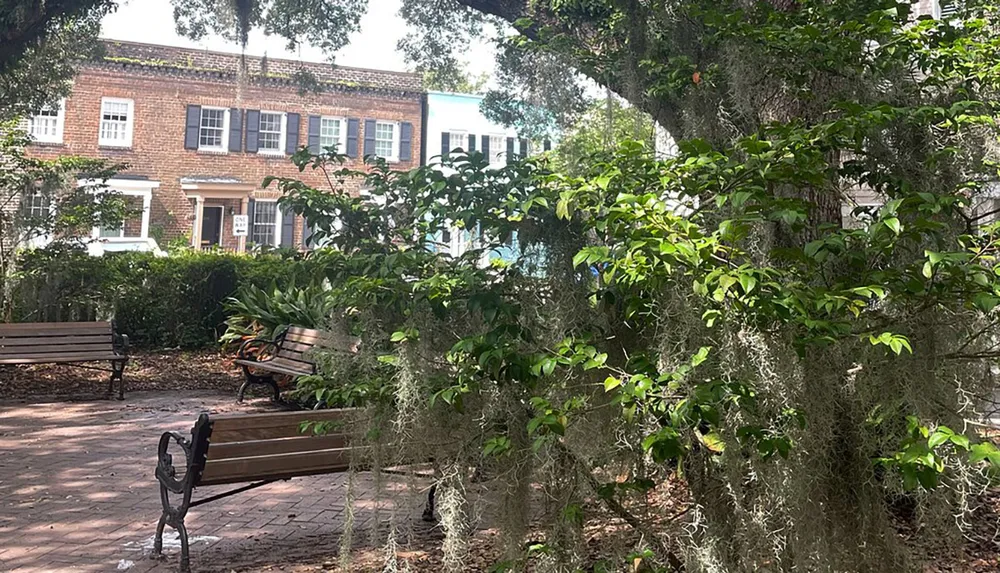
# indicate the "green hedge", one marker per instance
pixel 160 302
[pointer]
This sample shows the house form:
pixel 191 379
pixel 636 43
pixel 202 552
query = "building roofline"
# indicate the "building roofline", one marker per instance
pixel 456 94
pixel 161 59
pixel 277 60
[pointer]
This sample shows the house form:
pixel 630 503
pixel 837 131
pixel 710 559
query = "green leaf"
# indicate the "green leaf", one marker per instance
pixel 893 224
pixel 937 438
pixel 610 383
pixel 748 282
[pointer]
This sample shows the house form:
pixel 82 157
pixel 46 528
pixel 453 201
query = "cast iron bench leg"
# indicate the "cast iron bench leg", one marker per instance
pixel 267 380
pixel 117 373
pixel 429 508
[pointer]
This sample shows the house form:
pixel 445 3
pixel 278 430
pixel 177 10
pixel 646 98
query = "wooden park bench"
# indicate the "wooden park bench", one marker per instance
pixel 288 354
pixel 256 449
pixel 70 343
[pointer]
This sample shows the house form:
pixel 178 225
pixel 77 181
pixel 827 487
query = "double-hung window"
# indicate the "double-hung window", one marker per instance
pixel 498 148
pixel 458 140
pixel 47 125
pixel 213 133
pixel 116 122
pixel 333 133
pixel 387 140
pixel 271 138
pixel 945 9
pixel 34 205
pixel 266 221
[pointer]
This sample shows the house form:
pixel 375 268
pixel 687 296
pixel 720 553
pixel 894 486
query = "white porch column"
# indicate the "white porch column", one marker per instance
pixel 199 204
pixel 146 200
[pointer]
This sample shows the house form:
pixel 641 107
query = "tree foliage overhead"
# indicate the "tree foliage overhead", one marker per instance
pixel 41 46
pixel 325 24
pixel 816 385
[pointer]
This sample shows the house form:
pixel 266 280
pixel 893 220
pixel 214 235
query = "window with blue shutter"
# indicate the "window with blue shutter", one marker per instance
pixel 370 137
pixel 314 134
pixel 352 137
pixel 235 130
pixel 405 141
pixel 287 227
pixel 253 130
pixel 191 126
pixel 292 121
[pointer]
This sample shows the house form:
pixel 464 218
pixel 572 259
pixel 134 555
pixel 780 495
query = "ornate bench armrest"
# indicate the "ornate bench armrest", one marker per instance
pixel 166 472
pixel 121 344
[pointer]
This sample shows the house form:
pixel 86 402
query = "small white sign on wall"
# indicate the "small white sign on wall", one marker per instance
pixel 241 224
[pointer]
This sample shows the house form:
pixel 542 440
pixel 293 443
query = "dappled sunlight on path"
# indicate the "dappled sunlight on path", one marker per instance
pixel 77 491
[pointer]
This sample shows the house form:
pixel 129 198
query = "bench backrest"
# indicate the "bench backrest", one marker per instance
pixel 41 339
pixel 250 447
pixel 296 343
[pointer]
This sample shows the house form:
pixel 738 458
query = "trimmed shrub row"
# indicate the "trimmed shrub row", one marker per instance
pixel 160 302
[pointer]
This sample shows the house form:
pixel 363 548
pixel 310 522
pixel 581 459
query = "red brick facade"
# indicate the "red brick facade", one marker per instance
pixel 163 81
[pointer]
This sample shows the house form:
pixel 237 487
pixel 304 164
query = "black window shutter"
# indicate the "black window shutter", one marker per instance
pixel 307 232
pixel 314 127
pixel 253 129
pixel 510 150
pixel 486 147
pixel 250 207
pixel 369 137
pixel 445 143
pixel 292 122
pixel 405 141
pixel 191 127
pixel 547 146
pixel 472 143
pixel 235 130
pixel 522 145
pixel 352 137
pixel 287 226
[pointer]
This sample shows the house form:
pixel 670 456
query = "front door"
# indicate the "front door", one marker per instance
pixel 211 226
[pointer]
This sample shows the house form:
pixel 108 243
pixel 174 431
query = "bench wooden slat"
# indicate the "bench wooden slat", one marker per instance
pixel 237 428
pixel 54 328
pixel 303 443
pixel 277 466
pixel 296 346
pixel 78 348
pixel 59 358
pixel 270 366
pixel 55 340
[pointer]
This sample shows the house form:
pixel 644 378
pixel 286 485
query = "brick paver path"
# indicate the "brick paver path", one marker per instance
pixel 77 492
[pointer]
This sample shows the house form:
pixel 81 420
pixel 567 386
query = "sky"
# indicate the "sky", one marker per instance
pixel 374 46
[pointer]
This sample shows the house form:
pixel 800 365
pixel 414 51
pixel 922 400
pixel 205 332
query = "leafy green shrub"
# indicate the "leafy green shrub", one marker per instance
pixel 258 312
pixel 175 301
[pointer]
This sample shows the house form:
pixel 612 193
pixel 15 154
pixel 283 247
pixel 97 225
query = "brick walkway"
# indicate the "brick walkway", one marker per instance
pixel 77 492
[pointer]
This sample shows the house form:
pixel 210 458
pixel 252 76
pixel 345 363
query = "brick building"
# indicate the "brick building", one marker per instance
pixel 199 140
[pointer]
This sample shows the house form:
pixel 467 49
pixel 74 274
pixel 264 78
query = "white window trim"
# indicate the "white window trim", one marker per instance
pixel 224 148
pixel 283 130
pixel 500 155
pixel 342 144
pixel 936 9
pixel 129 123
pixel 60 123
pixel 394 158
pixel 131 188
pixel 277 221
pixel 464 137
